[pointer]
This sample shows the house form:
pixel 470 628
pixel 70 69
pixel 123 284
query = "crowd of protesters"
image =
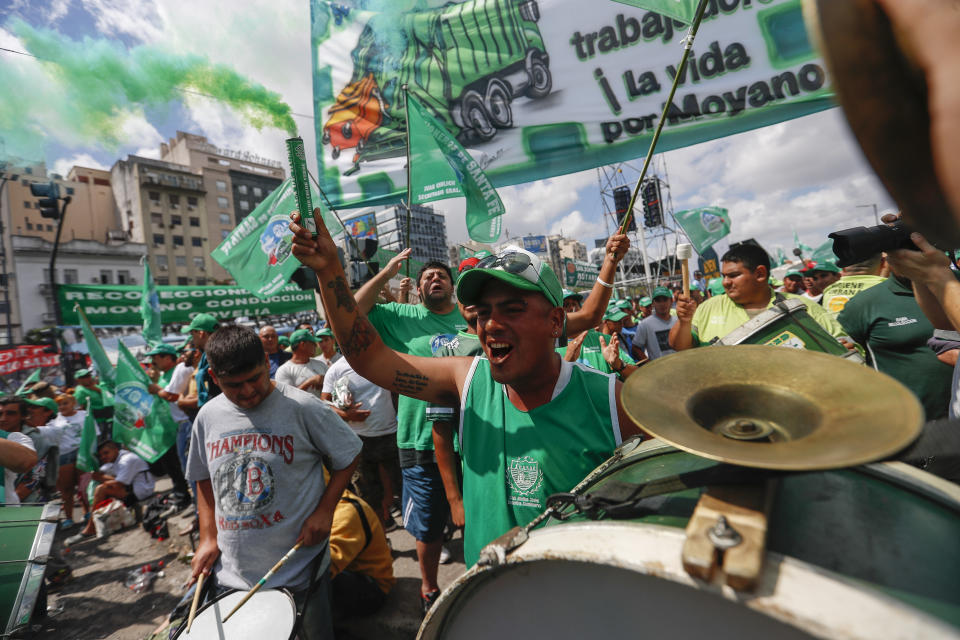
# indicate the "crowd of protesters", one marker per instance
pixel 391 414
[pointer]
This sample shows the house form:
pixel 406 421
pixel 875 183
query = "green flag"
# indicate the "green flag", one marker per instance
pixel 87 453
pixel 807 250
pixel 31 379
pixel 141 420
pixel 682 10
pixel 150 309
pixel 704 226
pixel 258 252
pixel 824 253
pixel 105 370
pixel 441 168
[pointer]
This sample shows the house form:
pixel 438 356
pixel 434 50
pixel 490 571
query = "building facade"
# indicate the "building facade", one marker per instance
pixel 428 232
pixel 78 262
pixel 234 183
pixel 163 205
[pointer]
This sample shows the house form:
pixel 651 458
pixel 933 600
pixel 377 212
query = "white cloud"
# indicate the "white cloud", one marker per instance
pixel 63 165
pixel 128 17
pixel 532 207
pixel 573 225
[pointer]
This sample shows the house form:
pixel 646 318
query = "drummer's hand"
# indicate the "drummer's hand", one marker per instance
pixel 848 343
pixel 204 559
pixel 317 252
pixel 573 348
pixel 685 308
pixel 316 528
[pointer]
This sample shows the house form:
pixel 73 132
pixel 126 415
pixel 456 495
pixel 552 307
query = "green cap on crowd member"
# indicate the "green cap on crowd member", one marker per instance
pixel 201 322
pixel 662 291
pixel 49 403
pixel 283 341
pixel 793 273
pixel 302 335
pixel 646 301
pixel 624 304
pixel 568 293
pixel 163 350
pixel 326 332
pixel 614 314
pixel 82 373
pixel 825 265
pixel 516 267
pixel 715 287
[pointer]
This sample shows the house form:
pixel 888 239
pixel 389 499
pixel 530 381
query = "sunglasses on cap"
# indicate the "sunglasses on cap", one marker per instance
pixel 515 262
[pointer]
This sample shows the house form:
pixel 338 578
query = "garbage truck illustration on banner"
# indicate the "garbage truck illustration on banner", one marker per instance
pixel 465 61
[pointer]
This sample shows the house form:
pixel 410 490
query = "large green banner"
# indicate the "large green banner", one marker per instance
pixel 538 88
pixel 110 305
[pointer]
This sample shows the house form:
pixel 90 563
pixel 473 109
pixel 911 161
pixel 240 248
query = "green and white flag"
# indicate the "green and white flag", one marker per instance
pixel 258 252
pixel 150 309
pixel 105 370
pixel 682 10
pixel 807 250
pixel 31 379
pixel 781 257
pixel 141 420
pixel 824 253
pixel 441 168
pixel 87 453
pixel 704 226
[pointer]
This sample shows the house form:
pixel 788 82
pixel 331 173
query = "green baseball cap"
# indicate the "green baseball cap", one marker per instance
pixel 715 287
pixel 82 373
pixel 284 341
pixel 163 350
pixel 825 265
pixel 624 304
pixel 201 322
pixel 646 301
pixel 326 332
pixel 568 293
pixel 47 403
pixel 661 291
pixel 614 314
pixel 516 267
pixel 302 335
pixel 793 273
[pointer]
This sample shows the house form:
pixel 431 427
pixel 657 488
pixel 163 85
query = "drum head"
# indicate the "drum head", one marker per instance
pixel 270 613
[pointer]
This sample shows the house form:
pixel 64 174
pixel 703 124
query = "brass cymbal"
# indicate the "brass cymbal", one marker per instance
pixel 773 407
pixel 884 99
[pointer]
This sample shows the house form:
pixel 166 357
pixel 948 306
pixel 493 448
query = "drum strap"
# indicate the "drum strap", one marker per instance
pixel 617 499
pixel 363 521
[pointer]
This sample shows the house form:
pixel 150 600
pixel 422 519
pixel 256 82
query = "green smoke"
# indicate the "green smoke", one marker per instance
pixel 83 92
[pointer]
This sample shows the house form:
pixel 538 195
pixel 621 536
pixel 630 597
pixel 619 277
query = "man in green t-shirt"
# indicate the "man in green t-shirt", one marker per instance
pixel 532 424
pixel 88 390
pixel 746 274
pixel 887 320
pixel 855 278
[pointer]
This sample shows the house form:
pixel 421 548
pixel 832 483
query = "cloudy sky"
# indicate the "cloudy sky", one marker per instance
pixel 806 175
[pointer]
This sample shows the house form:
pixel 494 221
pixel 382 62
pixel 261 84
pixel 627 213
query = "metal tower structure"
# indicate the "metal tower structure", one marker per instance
pixel 655 246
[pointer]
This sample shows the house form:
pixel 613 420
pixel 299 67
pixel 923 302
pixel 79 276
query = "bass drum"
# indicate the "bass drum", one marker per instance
pixel 269 613
pixel 865 552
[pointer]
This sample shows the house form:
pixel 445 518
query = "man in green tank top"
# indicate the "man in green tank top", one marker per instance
pixel 531 424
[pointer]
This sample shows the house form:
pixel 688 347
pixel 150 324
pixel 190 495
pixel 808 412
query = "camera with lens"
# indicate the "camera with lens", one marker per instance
pixel 862 243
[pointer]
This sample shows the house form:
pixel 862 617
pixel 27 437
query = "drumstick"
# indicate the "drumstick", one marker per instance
pixel 266 577
pixel 684 253
pixel 196 601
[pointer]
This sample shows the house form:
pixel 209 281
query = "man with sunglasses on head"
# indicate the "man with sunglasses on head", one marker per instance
pixel 532 424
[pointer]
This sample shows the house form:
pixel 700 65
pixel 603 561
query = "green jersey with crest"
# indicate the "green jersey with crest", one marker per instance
pixel 513 460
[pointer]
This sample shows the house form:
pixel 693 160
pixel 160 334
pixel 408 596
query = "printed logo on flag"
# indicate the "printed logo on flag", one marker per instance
pixel 276 240
pixel 133 405
pixel 711 222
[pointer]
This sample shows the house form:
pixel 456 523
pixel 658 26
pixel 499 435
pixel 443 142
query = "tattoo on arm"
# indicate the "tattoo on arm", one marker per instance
pixel 342 293
pixel 409 383
pixel 361 337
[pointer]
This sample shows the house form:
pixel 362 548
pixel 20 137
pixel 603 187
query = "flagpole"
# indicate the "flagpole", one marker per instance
pixel 356 245
pixel 406 110
pixel 688 45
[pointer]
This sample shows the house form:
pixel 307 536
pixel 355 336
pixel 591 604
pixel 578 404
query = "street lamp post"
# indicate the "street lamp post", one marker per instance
pixel 3 259
pixel 876 216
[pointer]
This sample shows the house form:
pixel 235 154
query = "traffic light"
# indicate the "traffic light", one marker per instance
pixel 49 194
pixel 621 200
pixel 652 213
